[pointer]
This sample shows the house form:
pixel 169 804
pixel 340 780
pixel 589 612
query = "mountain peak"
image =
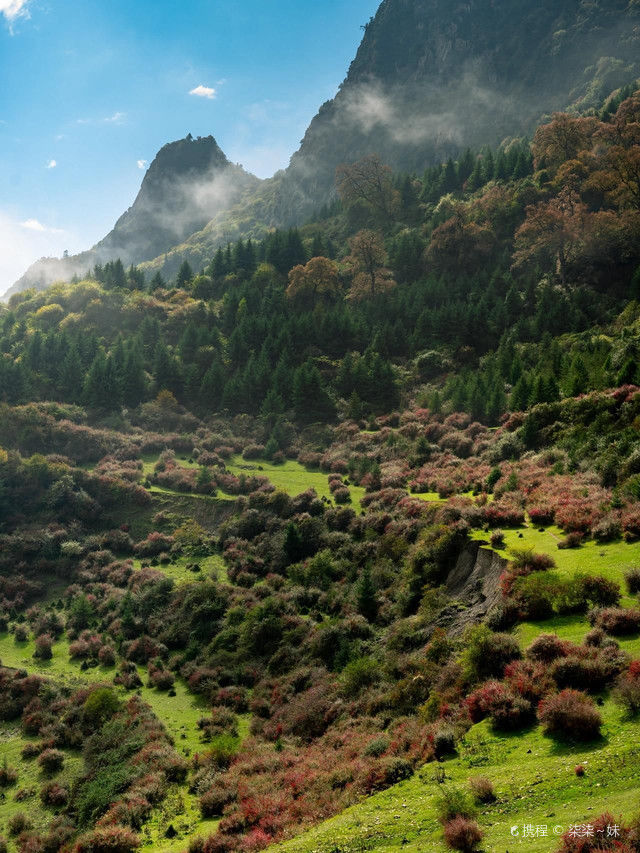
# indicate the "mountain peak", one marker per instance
pixel 187 184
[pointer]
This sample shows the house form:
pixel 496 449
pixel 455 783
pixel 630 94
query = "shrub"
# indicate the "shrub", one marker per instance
pixel 20 634
pixel 396 769
pixel 342 496
pixel 462 834
pixel 43 649
pixel 507 710
pixel 607 530
pixel 376 747
pixel 600 591
pixel 571 540
pixel 570 714
pixel 213 801
pixel 617 621
pixel 482 789
pixel 627 689
pixel 526 560
pixel 584 673
pixel 599 840
pixel 359 674
pixel 4 845
pixel 8 774
pixel 595 637
pixel 632 579
pixel 547 648
pixel 107 656
pixel 54 795
pixel 18 823
pixel 100 705
pixel 497 539
pixel 454 802
pixel 51 760
pixel 487 653
pixel 253 451
pixel 108 839
pixel 528 679
pixel 444 742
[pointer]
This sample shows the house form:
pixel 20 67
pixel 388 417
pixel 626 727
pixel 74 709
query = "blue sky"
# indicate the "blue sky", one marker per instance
pixel 91 89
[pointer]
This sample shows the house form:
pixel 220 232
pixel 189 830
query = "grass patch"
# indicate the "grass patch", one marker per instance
pixel 292 477
pixel 30 780
pixel 211 566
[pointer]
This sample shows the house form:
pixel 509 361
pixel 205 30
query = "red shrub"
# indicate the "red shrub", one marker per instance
pixel 617 621
pixel 548 647
pixel 44 645
pixel 529 679
pixel 507 709
pixel 603 833
pixel 462 833
pixel 570 714
pixel 51 760
pixel 54 795
pixel 154 544
pixel 107 839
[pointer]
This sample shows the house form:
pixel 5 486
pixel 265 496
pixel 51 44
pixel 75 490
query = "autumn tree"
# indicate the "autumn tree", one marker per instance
pixel 367 262
pixel 368 182
pixel 619 165
pixel 318 279
pixel 562 139
pixel 552 233
pixel 459 244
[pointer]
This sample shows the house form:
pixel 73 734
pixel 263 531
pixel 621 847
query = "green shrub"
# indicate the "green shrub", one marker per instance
pixel 357 675
pixel 452 802
pixel 487 653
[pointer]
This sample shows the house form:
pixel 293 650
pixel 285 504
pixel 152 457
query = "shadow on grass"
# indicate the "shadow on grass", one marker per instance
pixel 565 746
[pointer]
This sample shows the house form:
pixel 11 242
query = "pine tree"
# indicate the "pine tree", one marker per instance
pixel 520 395
pixel 134 382
pixel 366 596
pixel 310 398
pixel 185 275
pixel 293 544
pixel 72 375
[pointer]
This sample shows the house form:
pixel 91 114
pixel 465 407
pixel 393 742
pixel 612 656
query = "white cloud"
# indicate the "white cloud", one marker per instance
pixel 21 245
pixel 35 225
pixel 52 164
pixel 142 164
pixel 116 118
pixel 203 92
pixel 14 9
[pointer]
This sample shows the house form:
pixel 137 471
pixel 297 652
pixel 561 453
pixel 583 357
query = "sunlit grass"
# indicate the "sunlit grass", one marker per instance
pixel 292 477
pixel 535 782
pixel 30 780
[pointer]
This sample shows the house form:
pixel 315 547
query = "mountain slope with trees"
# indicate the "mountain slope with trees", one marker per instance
pixel 429 79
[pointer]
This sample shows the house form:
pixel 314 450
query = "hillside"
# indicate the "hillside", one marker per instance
pixel 334 544
pixel 429 79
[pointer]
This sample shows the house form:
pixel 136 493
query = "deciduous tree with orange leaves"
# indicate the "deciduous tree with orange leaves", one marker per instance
pixel 367 262
pixel 316 280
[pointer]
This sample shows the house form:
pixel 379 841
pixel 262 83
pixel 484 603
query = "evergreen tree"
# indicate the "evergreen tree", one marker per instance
pixel 293 544
pixel 366 595
pixel 310 399
pixel 185 275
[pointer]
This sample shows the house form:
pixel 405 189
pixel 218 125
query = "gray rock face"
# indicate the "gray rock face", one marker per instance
pixel 474 587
